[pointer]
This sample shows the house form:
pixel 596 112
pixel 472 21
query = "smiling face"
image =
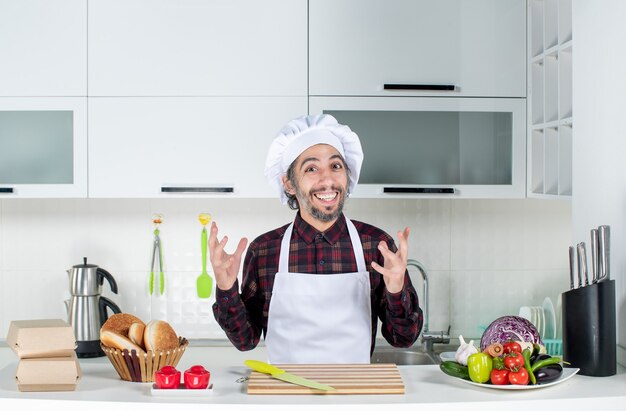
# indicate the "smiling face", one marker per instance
pixel 320 184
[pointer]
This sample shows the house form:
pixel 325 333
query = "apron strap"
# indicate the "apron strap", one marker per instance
pixel 283 261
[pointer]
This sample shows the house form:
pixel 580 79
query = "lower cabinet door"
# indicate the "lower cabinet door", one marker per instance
pixel 184 147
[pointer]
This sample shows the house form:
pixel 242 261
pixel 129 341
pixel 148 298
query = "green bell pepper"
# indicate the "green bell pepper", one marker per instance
pixel 479 366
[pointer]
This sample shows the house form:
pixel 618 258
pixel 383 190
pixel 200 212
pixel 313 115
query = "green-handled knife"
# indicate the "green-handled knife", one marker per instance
pixel 282 375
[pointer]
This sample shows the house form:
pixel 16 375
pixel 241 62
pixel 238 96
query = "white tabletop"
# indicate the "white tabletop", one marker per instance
pixel 426 388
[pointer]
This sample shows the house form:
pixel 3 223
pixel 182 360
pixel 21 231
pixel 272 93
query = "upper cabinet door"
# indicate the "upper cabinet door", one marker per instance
pixel 43 147
pixel 197 48
pixel 184 146
pixel 43 48
pixel 477 48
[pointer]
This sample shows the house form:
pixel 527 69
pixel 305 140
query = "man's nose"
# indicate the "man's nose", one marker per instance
pixel 326 174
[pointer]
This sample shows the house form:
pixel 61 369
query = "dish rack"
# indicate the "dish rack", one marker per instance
pixel 554 347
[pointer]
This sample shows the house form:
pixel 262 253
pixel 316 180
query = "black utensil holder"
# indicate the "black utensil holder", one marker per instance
pixel 589 336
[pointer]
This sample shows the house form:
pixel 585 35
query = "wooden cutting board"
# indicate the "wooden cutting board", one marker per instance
pixel 345 378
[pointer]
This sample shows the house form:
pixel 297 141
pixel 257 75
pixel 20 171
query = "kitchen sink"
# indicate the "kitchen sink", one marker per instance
pixel 405 356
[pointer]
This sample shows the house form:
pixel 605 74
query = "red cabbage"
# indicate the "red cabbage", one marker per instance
pixel 507 328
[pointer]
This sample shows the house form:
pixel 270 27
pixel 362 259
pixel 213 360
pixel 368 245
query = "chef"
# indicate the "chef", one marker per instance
pixel 316 287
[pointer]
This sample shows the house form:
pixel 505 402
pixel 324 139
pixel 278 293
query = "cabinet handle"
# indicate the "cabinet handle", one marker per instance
pixel 197 189
pixel 417 190
pixel 427 87
pixel 6 190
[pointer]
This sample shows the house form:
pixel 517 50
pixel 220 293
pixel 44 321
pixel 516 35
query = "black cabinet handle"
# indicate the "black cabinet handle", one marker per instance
pixel 6 190
pixel 197 189
pixel 424 87
pixel 418 190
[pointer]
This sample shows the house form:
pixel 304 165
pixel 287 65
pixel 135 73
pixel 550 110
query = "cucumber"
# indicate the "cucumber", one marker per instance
pixel 455 369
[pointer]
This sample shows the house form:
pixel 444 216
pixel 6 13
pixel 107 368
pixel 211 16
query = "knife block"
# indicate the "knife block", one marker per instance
pixel 589 335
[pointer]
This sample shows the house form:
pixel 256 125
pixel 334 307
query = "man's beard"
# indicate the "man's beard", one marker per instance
pixel 321 215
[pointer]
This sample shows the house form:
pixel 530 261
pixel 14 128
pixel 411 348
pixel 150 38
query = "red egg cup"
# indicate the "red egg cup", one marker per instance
pixel 167 377
pixel 196 378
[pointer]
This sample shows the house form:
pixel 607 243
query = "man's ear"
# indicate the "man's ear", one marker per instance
pixel 287 185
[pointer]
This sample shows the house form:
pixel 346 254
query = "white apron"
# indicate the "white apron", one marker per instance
pixel 320 318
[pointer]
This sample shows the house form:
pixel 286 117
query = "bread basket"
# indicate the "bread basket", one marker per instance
pixel 140 367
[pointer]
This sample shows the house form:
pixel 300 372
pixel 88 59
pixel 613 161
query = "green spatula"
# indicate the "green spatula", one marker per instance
pixel 204 283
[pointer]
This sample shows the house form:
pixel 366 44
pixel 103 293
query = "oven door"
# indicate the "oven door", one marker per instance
pixel 435 147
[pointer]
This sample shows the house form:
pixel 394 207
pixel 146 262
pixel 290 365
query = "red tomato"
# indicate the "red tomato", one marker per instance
pixel 499 377
pixel 511 346
pixel 519 377
pixel 513 361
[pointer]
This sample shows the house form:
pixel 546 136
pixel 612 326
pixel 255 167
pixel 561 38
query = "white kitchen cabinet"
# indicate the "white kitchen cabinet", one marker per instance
pixel 43 48
pixel 424 147
pixel 43 147
pixel 197 48
pixel 550 120
pixel 476 47
pixel 184 146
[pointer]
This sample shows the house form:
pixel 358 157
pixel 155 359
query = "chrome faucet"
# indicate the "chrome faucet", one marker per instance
pixel 428 337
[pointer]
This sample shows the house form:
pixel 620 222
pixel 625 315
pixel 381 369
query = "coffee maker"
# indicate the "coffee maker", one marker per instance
pixel 87 309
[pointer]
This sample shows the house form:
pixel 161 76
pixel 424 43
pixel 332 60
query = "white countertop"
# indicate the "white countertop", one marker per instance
pixel 426 388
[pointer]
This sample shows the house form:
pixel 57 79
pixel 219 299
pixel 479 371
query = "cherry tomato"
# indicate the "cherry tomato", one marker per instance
pixel 513 361
pixel 499 377
pixel 519 377
pixel 511 346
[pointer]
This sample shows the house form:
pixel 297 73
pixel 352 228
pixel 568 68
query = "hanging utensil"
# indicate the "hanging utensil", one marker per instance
pixel 157 254
pixel 204 283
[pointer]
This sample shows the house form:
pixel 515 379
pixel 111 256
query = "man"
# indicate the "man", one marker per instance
pixel 316 287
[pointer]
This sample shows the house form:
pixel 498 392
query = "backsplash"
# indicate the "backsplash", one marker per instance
pixel 485 258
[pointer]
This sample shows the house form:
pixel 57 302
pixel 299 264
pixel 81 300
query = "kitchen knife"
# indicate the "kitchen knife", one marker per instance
pixel 594 256
pixel 282 375
pixel 583 262
pixel 572 264
pixel 580 264
pixel 604 253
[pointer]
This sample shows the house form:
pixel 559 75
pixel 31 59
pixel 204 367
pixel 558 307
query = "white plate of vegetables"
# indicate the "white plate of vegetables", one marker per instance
pixel 567 374
pixel 512 365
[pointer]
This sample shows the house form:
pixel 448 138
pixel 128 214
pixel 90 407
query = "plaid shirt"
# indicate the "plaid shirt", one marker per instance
pixel 244 316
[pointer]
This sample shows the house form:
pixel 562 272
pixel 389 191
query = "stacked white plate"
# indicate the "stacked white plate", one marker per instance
pixel 543 318
pixel 549 332
pixel 535 315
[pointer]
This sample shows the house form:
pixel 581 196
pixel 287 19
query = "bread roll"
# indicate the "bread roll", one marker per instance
pixel 115 340
pixel 120 323
pixel 135 333
pixel 159 336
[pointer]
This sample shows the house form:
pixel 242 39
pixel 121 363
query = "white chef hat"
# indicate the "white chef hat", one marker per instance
pixel 306 131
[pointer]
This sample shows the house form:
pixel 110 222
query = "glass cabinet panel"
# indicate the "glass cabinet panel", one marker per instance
pixel 429 147
pixel 36 147
pixel 432 147
pixel 43 147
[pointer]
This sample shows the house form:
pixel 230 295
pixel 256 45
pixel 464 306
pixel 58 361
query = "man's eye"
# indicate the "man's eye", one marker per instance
pixel 338 166
pixel 309 169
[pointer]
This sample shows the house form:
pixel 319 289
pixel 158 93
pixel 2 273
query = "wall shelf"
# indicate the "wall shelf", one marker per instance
pixel 550 120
